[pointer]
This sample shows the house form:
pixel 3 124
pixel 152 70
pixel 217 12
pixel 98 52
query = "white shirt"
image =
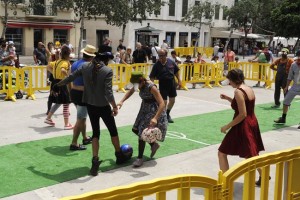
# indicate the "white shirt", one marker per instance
pixel 154 52
pixel 164 46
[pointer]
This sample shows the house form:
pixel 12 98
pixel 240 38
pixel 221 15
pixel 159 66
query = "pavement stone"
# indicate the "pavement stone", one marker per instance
pixel 22 121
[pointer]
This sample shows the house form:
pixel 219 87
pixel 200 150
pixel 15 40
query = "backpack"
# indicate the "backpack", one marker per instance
pixel 268 55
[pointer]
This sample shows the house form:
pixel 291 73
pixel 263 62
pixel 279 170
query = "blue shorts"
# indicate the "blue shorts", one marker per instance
pixel 81 112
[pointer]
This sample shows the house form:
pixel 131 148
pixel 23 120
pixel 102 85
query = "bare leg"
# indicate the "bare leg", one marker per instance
pixel 223 161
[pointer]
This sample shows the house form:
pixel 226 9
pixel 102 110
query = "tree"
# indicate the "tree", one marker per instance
pixel 243 15
pixel 121 12
pixel 198 14
pixel 286 18
pixel 7 4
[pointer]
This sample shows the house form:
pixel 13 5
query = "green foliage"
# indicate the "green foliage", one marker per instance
pixel 8 4
pixel 286 18
pixel 199 13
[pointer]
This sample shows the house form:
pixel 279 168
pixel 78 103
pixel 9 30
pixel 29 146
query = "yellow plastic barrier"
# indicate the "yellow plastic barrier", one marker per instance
pixel 248 167
pixel 122 73
pixel 136 191
pixel 221 189
pixel 184 51
pixel 10 82
pixel 206 73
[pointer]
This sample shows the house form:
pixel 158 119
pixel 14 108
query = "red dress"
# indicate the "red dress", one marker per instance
pixel 243 139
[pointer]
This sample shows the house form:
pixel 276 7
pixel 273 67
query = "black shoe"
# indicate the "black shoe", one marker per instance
pixel 76 148
pixel 258 182
pixel 280 120
pixel 87 141
pixel 275 106
pixel 95 166
pixel 121 158
pixel 170 120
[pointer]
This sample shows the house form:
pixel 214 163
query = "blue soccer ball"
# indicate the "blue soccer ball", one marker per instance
pixel 127 150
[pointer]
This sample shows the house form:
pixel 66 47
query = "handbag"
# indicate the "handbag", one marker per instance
pixel 151 134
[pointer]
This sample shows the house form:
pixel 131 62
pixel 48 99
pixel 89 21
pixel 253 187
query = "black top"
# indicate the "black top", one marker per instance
pixel 164 72
pixel 139 56
pixel 104 48
pixel 41 55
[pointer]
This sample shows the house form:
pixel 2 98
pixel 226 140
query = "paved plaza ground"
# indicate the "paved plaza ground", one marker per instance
pixel 22 121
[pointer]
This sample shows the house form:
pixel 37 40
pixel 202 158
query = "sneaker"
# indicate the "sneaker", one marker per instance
pixel 194 86
pixel 138 162
pixel 258 182
pixel 256 85
pixel 275 106
pixel 154 148
pixel 77 147
pixel 95 166
pixel 87 141
pixel 121 158
pixel 170 120
pixel 68 127
pixel 50 122
pixel 280 120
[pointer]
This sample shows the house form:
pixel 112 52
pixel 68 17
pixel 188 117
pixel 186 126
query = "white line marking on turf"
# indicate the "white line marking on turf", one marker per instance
pixel 220 104
pixel 181 136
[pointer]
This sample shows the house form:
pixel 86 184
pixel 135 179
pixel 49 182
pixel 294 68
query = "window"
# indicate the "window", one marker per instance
pixel 60 35
pixel 217 11
pixel 15 35
pixel 235 1
pixel 225 14
pixel 207 14
pixel 197 3
pixel 172 8
pixel 184 7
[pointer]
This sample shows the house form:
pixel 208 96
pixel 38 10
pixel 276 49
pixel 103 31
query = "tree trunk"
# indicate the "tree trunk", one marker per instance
pixel 227 41
pixel 123 31
pixel 81 34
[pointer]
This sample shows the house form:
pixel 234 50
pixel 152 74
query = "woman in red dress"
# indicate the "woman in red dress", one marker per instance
pixel 243 138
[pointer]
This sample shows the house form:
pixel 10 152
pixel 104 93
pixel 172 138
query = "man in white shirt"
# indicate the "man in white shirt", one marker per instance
pixel 175 58
pixel 164 45
pixel 154 51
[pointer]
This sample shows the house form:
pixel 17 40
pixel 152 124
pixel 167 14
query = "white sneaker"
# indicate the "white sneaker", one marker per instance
pixel 138 162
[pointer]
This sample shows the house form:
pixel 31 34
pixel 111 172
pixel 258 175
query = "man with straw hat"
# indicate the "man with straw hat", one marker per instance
pixel 88 53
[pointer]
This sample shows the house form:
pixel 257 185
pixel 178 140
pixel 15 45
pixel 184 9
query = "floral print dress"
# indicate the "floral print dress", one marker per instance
pixel 148 110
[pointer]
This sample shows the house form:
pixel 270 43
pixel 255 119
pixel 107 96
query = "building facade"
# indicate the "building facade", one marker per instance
pixel 46 24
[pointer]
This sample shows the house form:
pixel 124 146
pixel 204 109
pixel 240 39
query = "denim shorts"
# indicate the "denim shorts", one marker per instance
pixel 81 112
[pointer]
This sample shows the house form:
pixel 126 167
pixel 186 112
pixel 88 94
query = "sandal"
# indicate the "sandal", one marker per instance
pixel 88 140
pixel 75 147
pixel 50 122
pixel 68 127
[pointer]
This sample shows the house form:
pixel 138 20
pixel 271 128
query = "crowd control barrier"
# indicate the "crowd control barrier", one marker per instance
pixel 30 79
pixel 184 51
pixel 287 184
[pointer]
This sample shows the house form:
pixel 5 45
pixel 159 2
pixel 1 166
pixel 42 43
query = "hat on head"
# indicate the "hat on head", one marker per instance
pixel 57 44
pixel 136 77
pixel 105 55
pixel 11 43
pixel 89 50
pixel 285 50
pixel 128 47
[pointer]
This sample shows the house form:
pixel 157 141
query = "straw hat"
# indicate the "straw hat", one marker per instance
pixel 89 50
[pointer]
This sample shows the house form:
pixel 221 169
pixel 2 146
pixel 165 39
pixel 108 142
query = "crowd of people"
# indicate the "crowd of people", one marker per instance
pixel 91 73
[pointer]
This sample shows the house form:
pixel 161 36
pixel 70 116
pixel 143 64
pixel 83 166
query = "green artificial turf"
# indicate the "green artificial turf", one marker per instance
pixel 32 165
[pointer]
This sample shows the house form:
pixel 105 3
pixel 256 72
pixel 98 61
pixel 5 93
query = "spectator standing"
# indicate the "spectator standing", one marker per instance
pixel 283 66
pixel 175 58
pixel 40 54
pixel 76 93
pixel 228 57
pixel 5 57
pixel 164 45
pixel 154 52
pixel 243 138
pixel 121 46
pixel 127 57
pixel 70 46
pixel 106 46
pixel 152 113
pixel 98 97
pixel 139 55
pixel 260 57
pixel 165 71
pixel 216 49
pixel 221 52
